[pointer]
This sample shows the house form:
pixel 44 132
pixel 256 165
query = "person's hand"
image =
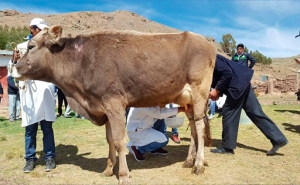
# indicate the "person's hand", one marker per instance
pixel 214 94
pixel 16 56
pixel 189 108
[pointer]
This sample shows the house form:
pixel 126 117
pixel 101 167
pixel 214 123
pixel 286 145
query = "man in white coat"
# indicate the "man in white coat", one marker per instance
pixel 146 130
pixel 38 106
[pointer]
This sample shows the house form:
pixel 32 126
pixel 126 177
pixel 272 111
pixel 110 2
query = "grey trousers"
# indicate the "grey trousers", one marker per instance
pixel 231 115
pixel 14 106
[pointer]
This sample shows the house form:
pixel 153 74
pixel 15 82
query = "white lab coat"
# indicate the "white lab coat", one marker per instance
pixel 37 99
pixel 37 102
pixel 140 122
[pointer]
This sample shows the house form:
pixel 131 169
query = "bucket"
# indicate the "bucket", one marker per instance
pixel 174 122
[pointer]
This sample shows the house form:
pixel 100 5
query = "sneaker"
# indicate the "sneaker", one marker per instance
pixel 50 164
pixel 211 116
pixel 159 151
pixel 137 154
pixel 175 138
pixel 28 166
pixel 276 148
pixel 11 120
pixel 67 116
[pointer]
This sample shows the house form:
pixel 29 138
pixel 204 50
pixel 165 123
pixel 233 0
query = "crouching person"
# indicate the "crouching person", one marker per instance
pixel 147 132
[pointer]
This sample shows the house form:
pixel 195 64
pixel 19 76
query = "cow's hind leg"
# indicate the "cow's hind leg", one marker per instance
pixel 111 161
pixel 199 163
pixel 200 96
pixel 190 160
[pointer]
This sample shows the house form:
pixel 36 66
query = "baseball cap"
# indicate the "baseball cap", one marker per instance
pixel 40 23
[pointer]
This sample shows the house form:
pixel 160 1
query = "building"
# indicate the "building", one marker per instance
pixel 5 56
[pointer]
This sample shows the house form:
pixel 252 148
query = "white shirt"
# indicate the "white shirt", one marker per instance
pixel 37 99
pixel 140 122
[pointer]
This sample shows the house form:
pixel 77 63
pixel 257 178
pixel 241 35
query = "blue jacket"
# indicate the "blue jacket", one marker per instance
pixel 231 78
pixel 11 88
pixel 243 60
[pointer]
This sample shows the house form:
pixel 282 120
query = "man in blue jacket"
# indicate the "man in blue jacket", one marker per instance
pixel 13 99
pixel 234 80
pixel 242 57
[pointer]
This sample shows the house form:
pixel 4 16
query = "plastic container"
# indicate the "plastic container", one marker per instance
pixel 244 120
pixel 174 122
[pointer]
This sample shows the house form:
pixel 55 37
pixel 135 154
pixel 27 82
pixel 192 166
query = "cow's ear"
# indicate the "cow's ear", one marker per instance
pixel 54 34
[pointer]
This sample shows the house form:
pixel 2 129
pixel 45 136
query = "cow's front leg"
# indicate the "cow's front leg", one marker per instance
pixel 190 160
pixel 111 161
pixel 116 117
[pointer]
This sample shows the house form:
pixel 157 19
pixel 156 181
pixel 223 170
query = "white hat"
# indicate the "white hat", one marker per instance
pixel 40 23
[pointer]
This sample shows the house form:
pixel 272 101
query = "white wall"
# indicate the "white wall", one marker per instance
pixel 4 60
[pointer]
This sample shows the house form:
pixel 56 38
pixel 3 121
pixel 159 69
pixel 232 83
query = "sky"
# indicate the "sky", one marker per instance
pixel 269 26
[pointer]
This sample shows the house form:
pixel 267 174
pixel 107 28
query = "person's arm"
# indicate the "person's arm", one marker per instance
pixel 224 72
pixel 161 113
pixel 252 60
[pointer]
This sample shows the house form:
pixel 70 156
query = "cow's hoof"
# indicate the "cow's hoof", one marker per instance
pixel 124 180
pixel 108 173
pixel 188 164
pixel 198 170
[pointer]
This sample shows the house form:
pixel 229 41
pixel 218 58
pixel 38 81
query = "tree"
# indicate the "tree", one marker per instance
pixel 228 44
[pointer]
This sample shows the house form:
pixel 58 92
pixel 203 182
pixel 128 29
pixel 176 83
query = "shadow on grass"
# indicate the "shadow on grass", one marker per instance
pixel 291 111
pixel 68 154
pixel 218 142
pixel 292 128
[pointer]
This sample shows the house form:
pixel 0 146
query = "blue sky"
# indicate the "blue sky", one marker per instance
pixel 269 26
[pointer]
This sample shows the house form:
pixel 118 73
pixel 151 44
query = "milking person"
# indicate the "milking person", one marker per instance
pixel 38 106
pixel 146 130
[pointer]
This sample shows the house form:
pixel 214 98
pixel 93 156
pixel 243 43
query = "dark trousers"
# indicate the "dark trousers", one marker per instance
pixel 48 140
pixel 231 115
pixel 61 98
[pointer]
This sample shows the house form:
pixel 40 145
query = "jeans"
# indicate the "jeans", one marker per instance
pixel 160 126
pixel 14 106
pixel 48 140
pixel 212 107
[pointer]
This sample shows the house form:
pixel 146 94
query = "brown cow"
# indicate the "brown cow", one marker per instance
pixel 101 74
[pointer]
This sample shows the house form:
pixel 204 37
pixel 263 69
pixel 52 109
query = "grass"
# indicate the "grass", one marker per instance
pixel 82 151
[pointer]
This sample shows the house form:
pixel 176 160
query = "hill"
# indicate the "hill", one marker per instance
pixel 76 23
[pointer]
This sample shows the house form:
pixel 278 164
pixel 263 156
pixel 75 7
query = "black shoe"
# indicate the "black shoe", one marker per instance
pixel 28 166
pixel 159 151
pixel 276 148
pixel 50 164
pixel 222 150
pixel 137 154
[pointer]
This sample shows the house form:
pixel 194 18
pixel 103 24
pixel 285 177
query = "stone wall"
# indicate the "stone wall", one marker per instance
pixel 277 85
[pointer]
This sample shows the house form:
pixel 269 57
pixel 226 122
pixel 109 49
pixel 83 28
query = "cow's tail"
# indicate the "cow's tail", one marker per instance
pixel 207 136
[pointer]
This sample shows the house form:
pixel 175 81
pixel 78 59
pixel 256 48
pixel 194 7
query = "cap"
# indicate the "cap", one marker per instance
pixel 40 23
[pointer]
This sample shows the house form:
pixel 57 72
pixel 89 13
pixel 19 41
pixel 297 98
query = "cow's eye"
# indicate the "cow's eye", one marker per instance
pixel 30 47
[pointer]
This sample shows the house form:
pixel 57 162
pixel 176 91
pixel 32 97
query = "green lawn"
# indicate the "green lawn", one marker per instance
pixel 82 152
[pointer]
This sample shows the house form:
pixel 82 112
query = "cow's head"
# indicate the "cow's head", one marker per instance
pixel 38 59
